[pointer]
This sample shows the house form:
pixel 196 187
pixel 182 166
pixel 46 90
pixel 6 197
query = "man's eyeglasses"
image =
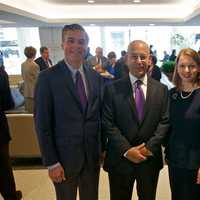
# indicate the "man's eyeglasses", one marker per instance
pixel 136 57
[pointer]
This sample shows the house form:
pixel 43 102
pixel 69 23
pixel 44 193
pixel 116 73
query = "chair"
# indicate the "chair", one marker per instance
pixel 24 143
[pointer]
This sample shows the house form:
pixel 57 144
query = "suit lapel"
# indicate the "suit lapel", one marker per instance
pixel 70 83
pixel 90 86
pixel 127 88
pixel 151 92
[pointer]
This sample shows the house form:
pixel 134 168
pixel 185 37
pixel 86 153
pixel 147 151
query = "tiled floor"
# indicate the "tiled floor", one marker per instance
pixel 35 185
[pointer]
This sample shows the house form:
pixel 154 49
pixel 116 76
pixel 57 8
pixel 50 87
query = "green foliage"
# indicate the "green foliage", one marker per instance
pixel 168 67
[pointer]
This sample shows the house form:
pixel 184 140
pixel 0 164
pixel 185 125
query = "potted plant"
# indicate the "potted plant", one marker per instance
pixel 168 68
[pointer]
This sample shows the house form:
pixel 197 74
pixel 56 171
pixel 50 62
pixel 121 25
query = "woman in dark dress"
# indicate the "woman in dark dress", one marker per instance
pixel 7 182
pixel 183 148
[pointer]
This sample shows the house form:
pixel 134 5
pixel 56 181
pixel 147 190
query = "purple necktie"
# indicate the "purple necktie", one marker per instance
pixel 139 99
pixel 81 90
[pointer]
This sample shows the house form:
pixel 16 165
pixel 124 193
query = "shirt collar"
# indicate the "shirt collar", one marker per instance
pixel 72 69
pixel 133 79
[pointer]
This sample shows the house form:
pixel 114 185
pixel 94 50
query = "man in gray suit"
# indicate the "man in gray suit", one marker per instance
pixel 98 59
pixel 67 115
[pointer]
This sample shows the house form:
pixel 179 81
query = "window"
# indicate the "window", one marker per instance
pixel 12 44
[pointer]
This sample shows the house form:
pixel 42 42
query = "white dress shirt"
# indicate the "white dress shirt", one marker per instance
pixel 133 79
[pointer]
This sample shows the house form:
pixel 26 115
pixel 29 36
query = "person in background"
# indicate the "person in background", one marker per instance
pixel 151 49
pixel 111 63
pixel 121 68
pixel 166 56
pixel 123 55
pixel 44 61
pixel 1 59
pixel 68 119
pixel 154 70
pixel 98 60
pixel 183 146
pixel 7 182
pixel 30 71
pixel 88 55
pixel 172 57
pixel 135 123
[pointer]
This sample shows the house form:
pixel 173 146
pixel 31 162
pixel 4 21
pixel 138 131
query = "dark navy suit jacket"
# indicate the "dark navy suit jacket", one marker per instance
pixel 6 103
pixel 66 133
pixel 42 64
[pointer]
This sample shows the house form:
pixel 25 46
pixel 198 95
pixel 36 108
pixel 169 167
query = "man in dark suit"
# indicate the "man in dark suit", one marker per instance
pixel 44 61
pixel 121 68
pixel 154 71
pixel 7 182
pixel 67 115
pixel 135 121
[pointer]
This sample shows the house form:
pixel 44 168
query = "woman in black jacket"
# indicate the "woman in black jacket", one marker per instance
pixel 183 149
pixel 7 182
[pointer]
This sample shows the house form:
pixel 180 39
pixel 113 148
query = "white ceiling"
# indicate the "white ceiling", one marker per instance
pixel 112 1
pixel 102 12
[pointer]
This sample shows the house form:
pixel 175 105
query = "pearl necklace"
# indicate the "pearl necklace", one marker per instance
pixel 185 97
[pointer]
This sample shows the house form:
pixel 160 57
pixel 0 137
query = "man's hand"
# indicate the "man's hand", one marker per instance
pixel 57 174
pixel 145 152
pixel 134 154
pixel 198 177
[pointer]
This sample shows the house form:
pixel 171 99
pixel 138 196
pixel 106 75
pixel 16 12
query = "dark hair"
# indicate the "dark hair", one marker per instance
pixel 111 55
pixel 123 53
pixel 173 52
pixel 30 52
pixel 74 27
pixel 42 49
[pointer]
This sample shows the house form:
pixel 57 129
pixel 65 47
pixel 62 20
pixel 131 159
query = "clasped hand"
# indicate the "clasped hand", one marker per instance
pixel 138 153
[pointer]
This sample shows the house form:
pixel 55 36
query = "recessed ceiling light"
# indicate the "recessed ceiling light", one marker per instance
pixel 136 1
pixel 92 24
pixel 151 24
pixel 91 1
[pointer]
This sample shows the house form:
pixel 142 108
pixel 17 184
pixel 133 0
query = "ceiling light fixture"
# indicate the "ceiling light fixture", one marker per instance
pixel 91 1
pixel 136 1
pixel 151 24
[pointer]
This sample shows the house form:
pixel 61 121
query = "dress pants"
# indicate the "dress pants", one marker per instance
pixel 86 181
pixel 121 184
pixel 183 184
pixel 7 183
pixel 29 102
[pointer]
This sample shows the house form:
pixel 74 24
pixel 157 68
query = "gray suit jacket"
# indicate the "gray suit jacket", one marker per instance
pixel 67 134
pixel 92 61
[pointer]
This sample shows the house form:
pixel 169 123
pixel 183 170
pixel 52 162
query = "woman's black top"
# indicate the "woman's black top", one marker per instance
pixel 183 149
